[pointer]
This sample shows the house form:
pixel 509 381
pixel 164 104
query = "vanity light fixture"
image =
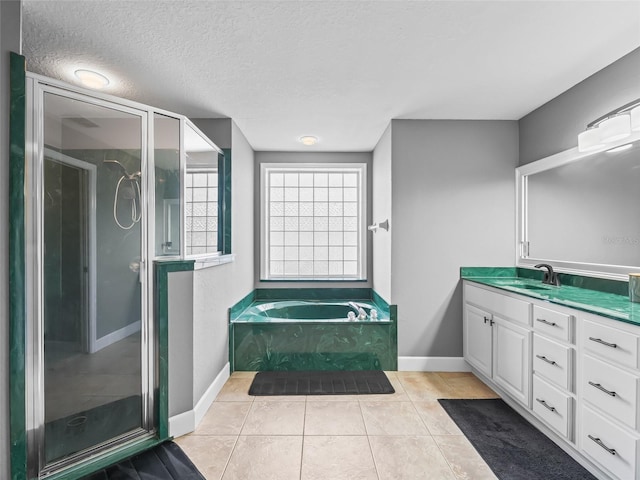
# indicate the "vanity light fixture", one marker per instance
pixel 308 140
pixel 91 79
pixel 611 127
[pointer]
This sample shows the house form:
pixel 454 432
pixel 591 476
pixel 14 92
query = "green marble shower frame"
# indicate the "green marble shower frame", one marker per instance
pixel 309 344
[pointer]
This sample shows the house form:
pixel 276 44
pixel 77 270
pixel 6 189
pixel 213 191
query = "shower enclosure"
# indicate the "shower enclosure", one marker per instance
pixel 90 338
pixel 104 198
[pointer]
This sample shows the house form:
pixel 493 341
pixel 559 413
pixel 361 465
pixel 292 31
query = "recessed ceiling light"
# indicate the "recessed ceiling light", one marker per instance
pixel 91 79
pixel 308 140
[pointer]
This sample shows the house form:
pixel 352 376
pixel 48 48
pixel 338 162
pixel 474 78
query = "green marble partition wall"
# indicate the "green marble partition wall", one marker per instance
pixel 17 283
pixel 312 345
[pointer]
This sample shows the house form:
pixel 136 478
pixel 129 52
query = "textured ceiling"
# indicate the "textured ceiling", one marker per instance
pixel 339 70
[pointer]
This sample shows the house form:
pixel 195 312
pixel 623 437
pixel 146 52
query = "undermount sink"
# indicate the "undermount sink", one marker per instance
pixel 532 287
pixel 521 284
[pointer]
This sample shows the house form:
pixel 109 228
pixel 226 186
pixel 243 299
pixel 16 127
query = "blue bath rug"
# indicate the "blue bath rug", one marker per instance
pixel 512 447
pixel 166 461
pixel 357 382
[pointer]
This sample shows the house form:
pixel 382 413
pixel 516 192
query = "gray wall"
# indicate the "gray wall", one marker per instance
pixel 452 206
pixel 217 129
pixel 213 289
pixel 554 127
pixel 311 157
pixel 382 201
pixel 180 363
pixel 10 41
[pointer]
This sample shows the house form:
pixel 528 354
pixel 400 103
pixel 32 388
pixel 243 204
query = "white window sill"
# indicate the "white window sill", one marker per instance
pixel 208 262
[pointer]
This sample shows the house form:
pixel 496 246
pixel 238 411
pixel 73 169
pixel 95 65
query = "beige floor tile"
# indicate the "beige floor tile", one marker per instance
pixel 224 418
pixel 469 387
pixel 333 418
pixel 265 458
pixel 409 458
pixel 390 373
pixel 209 454
pixel 337 458
pixel 465 462
pixel 275 418
pixel 436 419
pixel 243 375
pixel 399 396
pixel 425 386
pixel 392 418
pixel 447 375
pixel 236 390
pixel 333 398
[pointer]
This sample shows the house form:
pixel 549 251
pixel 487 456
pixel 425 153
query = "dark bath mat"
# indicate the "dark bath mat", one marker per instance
pixel 511 446
pixel 166 461
pixel 357 382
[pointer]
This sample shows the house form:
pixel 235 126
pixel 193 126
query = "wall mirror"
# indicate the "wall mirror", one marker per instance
pixel 581 212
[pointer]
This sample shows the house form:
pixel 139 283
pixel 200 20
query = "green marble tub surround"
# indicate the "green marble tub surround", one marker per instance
pixel 259 342
pixel 571 293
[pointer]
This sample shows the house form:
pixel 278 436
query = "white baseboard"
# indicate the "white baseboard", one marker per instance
pixel 187 422
pixel 433 364
pixel 113 337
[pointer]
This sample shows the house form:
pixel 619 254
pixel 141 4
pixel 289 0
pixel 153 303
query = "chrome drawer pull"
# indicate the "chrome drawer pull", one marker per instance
pixel 545 359
pixel 599 340
pixel 544 404
pixel 542 320
pixel 612 451
pixel 601 388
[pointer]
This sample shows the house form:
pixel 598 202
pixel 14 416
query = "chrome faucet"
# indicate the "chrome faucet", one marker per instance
pixel 360 312
pixel 550 277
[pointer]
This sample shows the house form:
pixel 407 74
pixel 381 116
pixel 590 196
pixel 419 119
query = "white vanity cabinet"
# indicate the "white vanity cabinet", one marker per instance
pixel 497 339
pixel 609 430
pixel 572 374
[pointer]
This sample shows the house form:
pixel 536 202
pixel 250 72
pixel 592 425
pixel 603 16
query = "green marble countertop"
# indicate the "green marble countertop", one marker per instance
pixel 610 305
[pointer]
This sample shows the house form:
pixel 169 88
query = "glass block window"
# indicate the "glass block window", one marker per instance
pixel 313 221
pixel 201 211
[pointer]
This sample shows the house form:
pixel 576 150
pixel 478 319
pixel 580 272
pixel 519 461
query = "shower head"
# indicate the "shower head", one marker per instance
pixel 116 166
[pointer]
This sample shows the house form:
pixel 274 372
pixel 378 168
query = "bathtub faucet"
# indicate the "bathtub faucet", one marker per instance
pixel 362 315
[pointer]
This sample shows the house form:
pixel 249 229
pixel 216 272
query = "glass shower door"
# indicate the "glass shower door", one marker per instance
pixel 96 388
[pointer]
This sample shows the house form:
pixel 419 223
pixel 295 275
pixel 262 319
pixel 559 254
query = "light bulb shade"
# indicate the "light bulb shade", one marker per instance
pixel 589 140
pixel 308 140
pixel 91 79
pixel 635 119
pixel 615 128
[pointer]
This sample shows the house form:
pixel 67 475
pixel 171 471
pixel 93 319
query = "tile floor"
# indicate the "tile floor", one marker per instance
pixel 406 435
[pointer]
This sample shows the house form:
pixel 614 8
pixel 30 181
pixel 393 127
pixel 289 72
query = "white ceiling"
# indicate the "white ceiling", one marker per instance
pixel 339 70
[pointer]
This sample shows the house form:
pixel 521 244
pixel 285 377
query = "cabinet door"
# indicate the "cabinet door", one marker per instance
pixel 477 339
pixel 511 360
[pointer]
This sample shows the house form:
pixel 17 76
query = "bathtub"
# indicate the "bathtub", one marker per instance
pixel 310 311
pixel 267 333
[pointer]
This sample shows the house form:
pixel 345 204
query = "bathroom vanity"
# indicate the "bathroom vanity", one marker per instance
pixel 566 358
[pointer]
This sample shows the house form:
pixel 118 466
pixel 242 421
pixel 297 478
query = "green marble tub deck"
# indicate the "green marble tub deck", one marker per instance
pixel 263 344
pixel 608 298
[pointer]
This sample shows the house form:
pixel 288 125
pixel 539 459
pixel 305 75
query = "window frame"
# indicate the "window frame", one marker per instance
pixel 360 169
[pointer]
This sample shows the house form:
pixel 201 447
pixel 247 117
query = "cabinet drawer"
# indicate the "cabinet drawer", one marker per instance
pixel 552 323
pixel 507 307
pixel 616 345
pixel 553 361
pixel 610 446
pixel 611 389
pixel 553 406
